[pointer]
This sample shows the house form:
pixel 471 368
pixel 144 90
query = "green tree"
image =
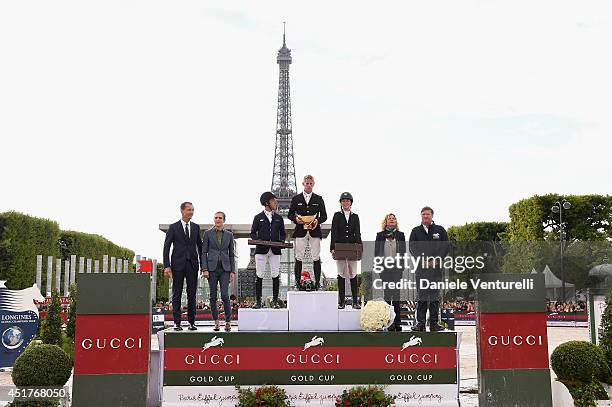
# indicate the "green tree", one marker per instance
pixel 473 240
pixel 71 323
pixel 533 235
pixel 478 231
pixel 589 218
pixel 51 329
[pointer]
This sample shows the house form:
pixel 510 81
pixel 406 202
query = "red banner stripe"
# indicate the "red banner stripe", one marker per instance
pixel 513 340
pixel 293 358
pixel 112 344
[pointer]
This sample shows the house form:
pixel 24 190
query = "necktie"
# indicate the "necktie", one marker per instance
pixel 187 230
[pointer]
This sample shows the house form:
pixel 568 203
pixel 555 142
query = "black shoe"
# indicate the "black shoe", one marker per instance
pixel 192 327
pixel 178 328
pixel 435 327
pixel 420 327
pixel 341 305
pixel 257 305
pixel 356 305
pixel 275 305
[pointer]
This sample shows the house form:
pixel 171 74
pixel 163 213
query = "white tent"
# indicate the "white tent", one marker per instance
pixel 554 285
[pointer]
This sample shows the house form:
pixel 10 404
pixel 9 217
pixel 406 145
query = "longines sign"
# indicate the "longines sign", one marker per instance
pixel 207 366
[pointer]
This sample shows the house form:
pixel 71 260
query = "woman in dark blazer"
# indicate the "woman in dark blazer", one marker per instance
pixel 346 229
pixel 389 242
pixel 219 267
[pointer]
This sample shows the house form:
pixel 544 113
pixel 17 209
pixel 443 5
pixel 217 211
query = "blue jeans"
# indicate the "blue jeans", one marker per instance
pixel 221 277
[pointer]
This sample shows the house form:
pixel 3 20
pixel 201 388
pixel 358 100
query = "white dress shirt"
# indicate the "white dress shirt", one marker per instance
pixel 188 230
pixel 268 215
pixel 307 197
pixel 347 215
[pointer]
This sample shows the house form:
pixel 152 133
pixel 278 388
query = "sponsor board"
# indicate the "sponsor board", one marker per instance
pixel 18 321
pixel 208 366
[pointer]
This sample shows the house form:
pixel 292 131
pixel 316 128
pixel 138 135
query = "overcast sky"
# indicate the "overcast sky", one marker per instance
pixel 113 112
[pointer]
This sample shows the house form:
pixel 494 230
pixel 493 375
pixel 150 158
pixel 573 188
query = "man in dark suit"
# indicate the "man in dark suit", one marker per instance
pixel 184 237
pixel 305 204
pixel 430 242
pixel 268 225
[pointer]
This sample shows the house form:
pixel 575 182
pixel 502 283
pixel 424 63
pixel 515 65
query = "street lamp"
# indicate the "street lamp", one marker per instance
pixel 559 207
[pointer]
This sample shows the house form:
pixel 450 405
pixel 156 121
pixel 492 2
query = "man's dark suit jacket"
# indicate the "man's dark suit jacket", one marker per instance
pixel 184 250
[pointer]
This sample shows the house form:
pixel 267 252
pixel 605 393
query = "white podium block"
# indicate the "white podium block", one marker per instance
pixel 313 310
pixel 348 319
pixel 263 319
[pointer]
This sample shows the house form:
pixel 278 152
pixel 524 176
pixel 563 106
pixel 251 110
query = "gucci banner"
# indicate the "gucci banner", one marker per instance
pixel 206 366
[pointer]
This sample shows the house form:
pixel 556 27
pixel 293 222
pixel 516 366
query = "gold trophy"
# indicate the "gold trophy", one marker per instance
pixel 307 219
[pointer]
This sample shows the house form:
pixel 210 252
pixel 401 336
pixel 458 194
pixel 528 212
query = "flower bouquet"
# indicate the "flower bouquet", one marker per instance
pixel 306 283
pixel 377 315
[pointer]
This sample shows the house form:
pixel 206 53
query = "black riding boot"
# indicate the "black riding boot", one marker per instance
pixel 258 289
pixel 341 293
pixel 297 272
pixel 275 288
pixel 355 293
pixel 316 265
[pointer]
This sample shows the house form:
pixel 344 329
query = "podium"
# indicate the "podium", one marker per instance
pixel 313 310
pixel 307 311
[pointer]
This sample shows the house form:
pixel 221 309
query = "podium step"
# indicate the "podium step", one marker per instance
pixel 348 319
pixel 263 319
pixel 313 310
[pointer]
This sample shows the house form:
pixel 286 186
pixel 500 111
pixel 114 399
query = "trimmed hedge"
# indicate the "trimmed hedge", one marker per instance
pixel 586 394
pixel 51 326
pixel 42 365
pixel 22 237
pixel 579 361
pixel 90 246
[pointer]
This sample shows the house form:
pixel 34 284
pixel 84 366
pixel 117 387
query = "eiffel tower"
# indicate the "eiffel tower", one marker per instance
pixel 284 185
pixel 283 175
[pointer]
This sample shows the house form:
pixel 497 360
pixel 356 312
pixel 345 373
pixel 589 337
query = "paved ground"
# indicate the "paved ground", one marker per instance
pixel 468 361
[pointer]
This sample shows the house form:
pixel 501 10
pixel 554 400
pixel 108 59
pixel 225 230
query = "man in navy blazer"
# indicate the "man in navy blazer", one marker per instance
pixel 184 237
pixel 268 225
pixel 429 241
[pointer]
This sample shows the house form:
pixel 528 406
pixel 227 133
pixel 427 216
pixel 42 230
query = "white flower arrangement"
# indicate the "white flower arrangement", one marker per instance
pixel 376 316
